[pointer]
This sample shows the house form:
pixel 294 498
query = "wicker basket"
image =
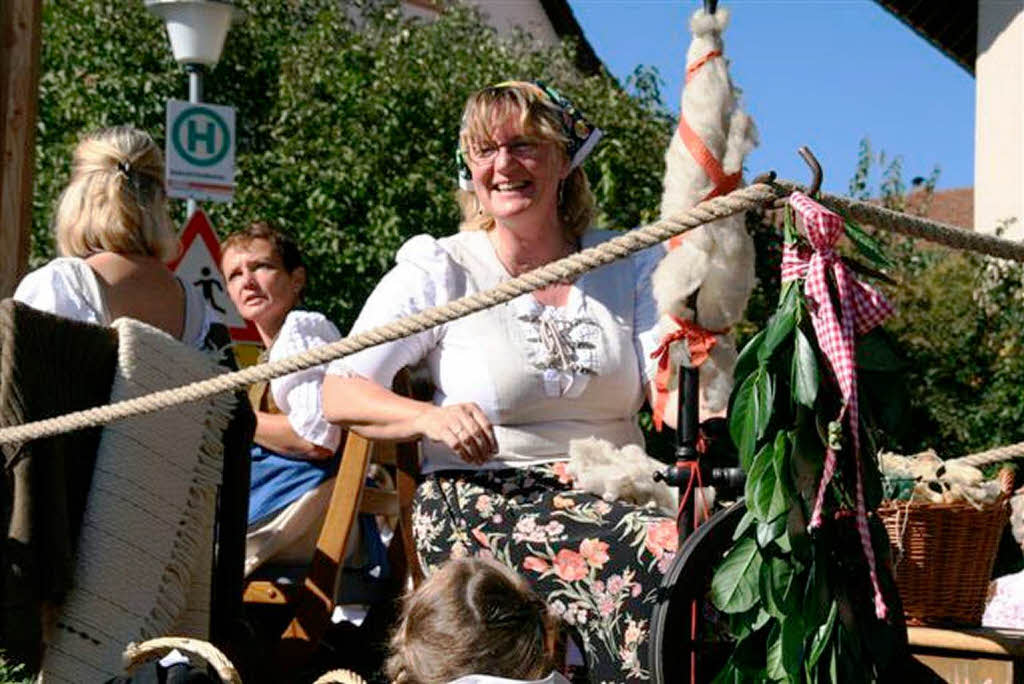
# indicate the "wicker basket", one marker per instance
pixel 943 556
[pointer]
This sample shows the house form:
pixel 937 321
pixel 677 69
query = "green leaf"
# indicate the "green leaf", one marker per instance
pixel 730 674
pixel 748 361
pixel 817 598
pixel 734 586
pixel 822 636
pixel 747 622
pixel 779 502
pixel 804 376
pixel 784 649
pixel 789 231
pixel 767 532
pixel 760 468
pixel 781 324
pixel 743 421
pixel 764 397
pixel 744 524
pixel 867 245
pixel 761 620
pixel 875 352
pixel 792 646
pixel 765 490
pixel 778 586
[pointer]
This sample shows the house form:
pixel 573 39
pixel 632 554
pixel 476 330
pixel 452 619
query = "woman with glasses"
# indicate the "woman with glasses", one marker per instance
pixel 515 383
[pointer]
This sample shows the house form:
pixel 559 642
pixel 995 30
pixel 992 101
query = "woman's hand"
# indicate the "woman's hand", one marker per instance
pixel 464 428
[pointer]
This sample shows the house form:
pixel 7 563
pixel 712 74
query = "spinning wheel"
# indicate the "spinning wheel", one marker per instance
pixel 687 641
pixel 684 646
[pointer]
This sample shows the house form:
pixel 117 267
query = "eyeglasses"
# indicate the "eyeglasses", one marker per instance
pixel 518 148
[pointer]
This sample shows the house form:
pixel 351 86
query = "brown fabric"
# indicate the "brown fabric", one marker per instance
pixel 48 366
pixel 260 397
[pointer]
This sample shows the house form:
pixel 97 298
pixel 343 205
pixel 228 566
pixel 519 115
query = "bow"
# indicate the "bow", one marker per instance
pixel 861 308
pixel 699 341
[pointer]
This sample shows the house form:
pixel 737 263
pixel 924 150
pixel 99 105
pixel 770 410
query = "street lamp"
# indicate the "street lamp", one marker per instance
pixel 197 29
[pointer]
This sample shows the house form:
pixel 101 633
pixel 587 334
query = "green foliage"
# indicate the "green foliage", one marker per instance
pixel 959 321
pixel 13 673
pixel 347 121
pixel 782 588
pixel 958 324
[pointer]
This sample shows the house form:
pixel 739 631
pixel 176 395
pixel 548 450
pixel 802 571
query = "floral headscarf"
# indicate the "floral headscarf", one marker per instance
pixel 582 135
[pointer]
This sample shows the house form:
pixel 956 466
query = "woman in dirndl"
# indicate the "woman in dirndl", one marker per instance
pixel 515 383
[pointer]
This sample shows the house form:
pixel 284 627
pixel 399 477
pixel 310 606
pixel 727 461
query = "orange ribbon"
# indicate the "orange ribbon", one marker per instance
pixel 699 341
pixel 722 183
pixel 692 70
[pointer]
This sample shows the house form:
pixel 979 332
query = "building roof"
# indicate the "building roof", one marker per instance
pixel 952 27
pixel 564 22
pixel 954 207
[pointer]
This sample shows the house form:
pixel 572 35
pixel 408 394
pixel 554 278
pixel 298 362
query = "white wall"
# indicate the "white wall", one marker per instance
pixel 504 15
pixel 999 127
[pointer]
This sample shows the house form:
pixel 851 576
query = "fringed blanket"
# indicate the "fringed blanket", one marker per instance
pixel 144 561
pixel 48 366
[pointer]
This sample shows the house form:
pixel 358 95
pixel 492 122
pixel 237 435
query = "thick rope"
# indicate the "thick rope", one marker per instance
pixel 997 455
pixel 917 227
pixel 568 268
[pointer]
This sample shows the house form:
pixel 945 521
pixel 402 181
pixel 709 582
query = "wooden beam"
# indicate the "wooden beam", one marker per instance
pixel 20 28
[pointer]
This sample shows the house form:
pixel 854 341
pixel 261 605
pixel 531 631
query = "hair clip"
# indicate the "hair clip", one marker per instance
pixel 124 167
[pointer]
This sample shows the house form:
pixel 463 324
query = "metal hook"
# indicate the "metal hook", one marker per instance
pixel 816 173
pixel 710 6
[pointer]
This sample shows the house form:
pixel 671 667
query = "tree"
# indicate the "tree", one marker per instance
pixel 347 121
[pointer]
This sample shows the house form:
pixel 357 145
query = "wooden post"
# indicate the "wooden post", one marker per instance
pixel 20 27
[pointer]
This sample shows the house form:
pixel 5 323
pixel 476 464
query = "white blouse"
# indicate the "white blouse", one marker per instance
pixel 297 394
pixel 543 375
pixel 68 287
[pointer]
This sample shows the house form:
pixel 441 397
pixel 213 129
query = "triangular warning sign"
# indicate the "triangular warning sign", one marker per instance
pixel 199 266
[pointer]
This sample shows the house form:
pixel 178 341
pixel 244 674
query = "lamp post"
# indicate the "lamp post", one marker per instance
pixel 197 29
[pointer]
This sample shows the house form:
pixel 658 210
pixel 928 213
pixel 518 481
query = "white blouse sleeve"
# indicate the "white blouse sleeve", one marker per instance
pixel 645 310
pixel 298 394
pixel 65 287
pixel 424 276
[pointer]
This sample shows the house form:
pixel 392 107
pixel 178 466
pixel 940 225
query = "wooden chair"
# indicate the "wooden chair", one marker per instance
pixel 311 594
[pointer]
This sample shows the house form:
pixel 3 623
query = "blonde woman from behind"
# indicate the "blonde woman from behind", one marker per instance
pixel 114 237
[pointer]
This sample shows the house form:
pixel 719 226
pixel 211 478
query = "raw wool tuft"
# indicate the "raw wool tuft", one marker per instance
pixel 614 474
pixel 718 257
pixel 145 552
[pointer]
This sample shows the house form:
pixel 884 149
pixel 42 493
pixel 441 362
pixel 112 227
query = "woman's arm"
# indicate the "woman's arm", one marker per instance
pixel 274 432
pixel 378 413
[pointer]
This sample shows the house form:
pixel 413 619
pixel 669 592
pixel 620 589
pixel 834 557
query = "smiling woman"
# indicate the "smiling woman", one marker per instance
pixel 291 458
pixel 516 383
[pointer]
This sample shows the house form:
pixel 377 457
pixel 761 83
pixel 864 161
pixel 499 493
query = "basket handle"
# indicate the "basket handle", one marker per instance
pixel 1006 481
pixel 136 654
pixel 340 677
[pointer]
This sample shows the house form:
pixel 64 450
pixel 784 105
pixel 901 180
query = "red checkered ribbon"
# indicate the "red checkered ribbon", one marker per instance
pixel 861 308
pixel 698 340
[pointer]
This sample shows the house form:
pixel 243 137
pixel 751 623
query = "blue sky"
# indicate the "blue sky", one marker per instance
pixel 825 73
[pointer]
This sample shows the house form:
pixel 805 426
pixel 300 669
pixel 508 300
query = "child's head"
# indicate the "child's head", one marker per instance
pixel 472 616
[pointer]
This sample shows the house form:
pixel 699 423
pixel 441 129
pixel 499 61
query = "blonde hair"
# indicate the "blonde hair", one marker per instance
pixel 539 117
pixel 472 616
pixel 115 200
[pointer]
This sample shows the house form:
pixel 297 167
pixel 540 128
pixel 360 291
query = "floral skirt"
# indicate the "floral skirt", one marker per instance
pixel 597 563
